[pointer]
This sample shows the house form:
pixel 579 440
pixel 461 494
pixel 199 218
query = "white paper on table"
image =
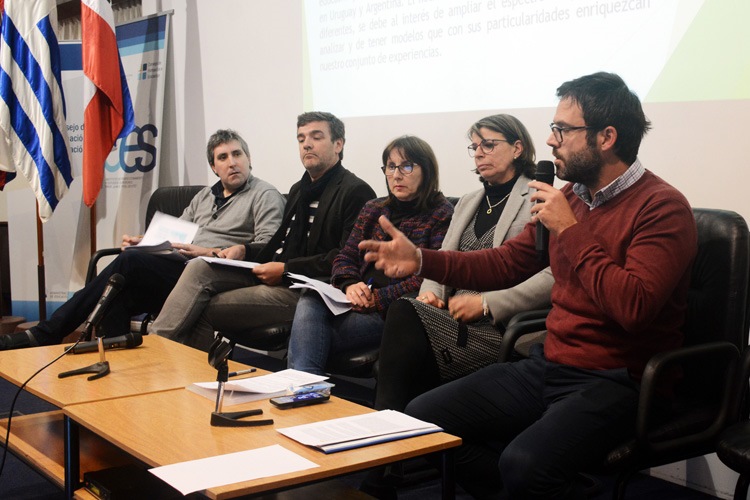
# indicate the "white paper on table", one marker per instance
pixel 197 475
pixel 335 299
pixel 230 262
pixel 267 384
pixel 359 430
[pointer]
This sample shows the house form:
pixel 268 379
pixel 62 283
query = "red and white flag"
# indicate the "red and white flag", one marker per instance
pixel 108 110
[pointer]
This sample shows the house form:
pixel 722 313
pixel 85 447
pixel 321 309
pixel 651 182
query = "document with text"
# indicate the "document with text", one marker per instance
pixel 164 230
pixel 258 387
pixel 334 298
pixel 345 433
pixel 229 262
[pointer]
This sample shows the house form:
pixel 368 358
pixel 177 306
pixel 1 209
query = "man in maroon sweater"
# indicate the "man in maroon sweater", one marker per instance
pixel 621 246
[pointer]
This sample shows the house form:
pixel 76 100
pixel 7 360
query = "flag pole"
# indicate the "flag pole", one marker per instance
pixel 40 267
pixel 92 228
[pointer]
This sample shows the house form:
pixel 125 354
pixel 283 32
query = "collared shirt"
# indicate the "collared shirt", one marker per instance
pixel 617 186
pixel 218 192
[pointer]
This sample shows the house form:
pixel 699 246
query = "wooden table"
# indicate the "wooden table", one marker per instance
pixel 157 365
pixel 173 427
pixel 42 440
pixel 141 410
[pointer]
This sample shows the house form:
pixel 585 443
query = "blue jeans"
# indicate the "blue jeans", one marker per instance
pixel 317 333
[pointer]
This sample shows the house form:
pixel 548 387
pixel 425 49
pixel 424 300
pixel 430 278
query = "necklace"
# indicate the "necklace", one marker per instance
pixel 490 207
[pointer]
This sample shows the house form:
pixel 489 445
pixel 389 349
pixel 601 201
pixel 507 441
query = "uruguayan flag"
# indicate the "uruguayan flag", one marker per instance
pixel 32 106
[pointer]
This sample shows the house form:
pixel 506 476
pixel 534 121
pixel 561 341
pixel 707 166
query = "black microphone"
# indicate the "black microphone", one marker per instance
pixel 114 285
pixel 545 172
pixel 127 341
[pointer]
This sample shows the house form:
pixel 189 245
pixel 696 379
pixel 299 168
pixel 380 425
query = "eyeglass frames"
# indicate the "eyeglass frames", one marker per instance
pixel 487 146
pixel 405 168
pixel 557 130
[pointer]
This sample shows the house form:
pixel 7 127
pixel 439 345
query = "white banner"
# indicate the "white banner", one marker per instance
pixel 131 174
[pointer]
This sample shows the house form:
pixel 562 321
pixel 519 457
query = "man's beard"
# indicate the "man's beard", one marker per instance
pixel 583 167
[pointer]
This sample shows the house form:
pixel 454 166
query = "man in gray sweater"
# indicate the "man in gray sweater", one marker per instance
pixel 237 209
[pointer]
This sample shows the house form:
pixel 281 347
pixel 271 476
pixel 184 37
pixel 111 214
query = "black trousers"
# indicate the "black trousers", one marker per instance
pixel 531 425
pixel 406 364
pixel 149 278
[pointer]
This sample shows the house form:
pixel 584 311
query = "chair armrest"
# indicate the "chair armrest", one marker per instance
pixel 529 315
pixel 658 371
pixel 515 331
pixel 98 255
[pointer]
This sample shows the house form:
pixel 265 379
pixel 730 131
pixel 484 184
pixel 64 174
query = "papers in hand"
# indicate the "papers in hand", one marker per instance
pixel 230 262
pixel 360 430
pixel 255 388
pixel 334 298
pixel 163 231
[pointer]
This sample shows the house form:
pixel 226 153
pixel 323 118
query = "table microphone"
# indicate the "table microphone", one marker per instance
pixel 545 172
pixel 127 341
pixel 115 283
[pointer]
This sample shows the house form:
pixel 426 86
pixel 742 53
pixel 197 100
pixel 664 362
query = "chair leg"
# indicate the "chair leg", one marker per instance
pixel 621 483
pixel 740 491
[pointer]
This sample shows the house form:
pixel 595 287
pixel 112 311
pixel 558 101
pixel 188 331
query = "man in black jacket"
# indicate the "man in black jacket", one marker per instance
pixel 319 215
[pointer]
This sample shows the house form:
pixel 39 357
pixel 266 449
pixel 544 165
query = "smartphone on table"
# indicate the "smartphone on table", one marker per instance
pixel 296 400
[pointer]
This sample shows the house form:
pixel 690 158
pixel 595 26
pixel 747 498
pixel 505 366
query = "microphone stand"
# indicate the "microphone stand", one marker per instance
pixel 99 369
pixel 217 357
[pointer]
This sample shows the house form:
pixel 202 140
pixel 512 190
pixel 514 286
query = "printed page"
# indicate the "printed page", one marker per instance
pixel 284 380
pixel 334 298
pixel 358 427
pixel 197 475
pixel 165 229
pixel 229 262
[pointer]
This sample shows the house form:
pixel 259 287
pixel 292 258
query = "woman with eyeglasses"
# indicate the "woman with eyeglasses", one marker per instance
pixel 446 333
pixel 418 208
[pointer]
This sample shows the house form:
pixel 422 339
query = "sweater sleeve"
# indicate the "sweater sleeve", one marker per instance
pixel 347 266
pixel 485 270
pixel 267 212
pixel 431 236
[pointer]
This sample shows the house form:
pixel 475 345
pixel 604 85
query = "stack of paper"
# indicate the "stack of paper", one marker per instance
pixel 255 388
pixel 360 430
pixel 162 232
pixel 229 262
pixel 334 298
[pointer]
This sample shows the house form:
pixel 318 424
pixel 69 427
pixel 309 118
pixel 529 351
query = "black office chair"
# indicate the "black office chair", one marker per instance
pixel 171 200
pixel 716 331
pixel 733 447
